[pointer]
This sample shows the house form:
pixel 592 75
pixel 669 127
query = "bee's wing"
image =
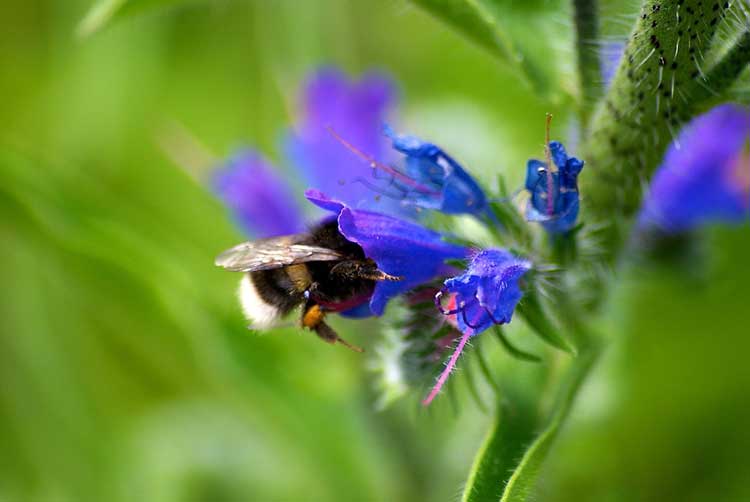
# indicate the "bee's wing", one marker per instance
pixel 272 253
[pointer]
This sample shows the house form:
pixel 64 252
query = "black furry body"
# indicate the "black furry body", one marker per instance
pixel 333 285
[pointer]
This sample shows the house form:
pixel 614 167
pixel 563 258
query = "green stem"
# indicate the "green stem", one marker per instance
pixel 521 484
pixel 512 430
pixel 660 85
pixel 723 74
pixel 586 19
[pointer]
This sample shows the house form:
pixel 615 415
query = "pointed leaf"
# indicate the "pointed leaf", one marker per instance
pixel 498 457
pixel 539 321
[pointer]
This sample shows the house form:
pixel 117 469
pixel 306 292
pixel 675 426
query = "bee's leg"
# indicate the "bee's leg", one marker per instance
pixel 313 319
pixel 361 269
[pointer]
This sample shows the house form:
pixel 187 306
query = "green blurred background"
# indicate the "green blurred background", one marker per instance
pixel 126 371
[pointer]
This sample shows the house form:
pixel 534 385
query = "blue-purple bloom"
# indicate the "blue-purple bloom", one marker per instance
pixel 440 182
pixel 554 194
pixel 264 204
pixel 707 178
pixel 261 201
pixel 483 296
pixel 400 248
pixel 355 110
pixel 610 55
pixel 488 292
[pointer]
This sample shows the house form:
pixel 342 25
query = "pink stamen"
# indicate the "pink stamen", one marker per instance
pixel 548 155
pixel 375 164
pixel 448 369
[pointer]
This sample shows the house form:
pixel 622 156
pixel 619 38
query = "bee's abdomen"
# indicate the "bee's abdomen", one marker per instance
pixel 267 296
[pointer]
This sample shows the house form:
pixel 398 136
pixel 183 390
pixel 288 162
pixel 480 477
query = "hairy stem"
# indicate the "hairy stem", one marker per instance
pixel 725 72
pixel 660 84
pixel 586 18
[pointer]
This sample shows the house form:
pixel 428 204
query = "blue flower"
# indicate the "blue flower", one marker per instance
pixel 554 193
pixel 264 204
pixel 707 178
pixel 261 201
pixel 400 248
pixel 440 182
pixel 355 110
pixel 610 55
pixel 485 295
pixel 488 292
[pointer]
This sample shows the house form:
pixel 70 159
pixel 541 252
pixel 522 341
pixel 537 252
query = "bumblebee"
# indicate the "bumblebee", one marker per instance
pixel 319 270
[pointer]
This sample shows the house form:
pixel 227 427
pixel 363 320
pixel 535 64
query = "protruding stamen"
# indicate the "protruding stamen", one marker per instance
pixel 373 163
pixel 550 167
pixel 448 369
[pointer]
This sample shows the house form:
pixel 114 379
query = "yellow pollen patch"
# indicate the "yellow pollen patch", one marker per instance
pixel 313 317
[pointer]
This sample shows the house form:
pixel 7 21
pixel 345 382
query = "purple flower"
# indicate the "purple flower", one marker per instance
pixel 439 182
pixel 707 178
pixel 610 55
pixel 264 204
pixel 356 111
pixel 261 201
pixel 485 295
pixel 554 193
pixel 400 248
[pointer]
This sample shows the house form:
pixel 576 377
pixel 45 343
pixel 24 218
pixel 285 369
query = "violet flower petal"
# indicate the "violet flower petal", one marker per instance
pixel 486 294
pixel 260 200
pixel 442 183
pixel 488 291
pixel 610 56
pixel 399 247
pixel 707 180
pixel 356 111
pixel 564 191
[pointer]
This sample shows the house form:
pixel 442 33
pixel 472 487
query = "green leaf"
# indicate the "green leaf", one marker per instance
pixel 104 12
pixel 536 316
pixel 520 485
pixel 499 455
pixel 516 33
pixel 512 349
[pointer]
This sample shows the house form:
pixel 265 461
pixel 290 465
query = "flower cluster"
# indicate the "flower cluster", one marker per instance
pixel 380 210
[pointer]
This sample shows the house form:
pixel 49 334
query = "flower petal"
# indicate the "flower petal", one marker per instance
pixel 488 292
pixel 441 182
pixel 356 111
pixel 610 55
pixel 559 215
pixel 558 154
pixel 400 248
pixel 708 178
pixel 261 201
